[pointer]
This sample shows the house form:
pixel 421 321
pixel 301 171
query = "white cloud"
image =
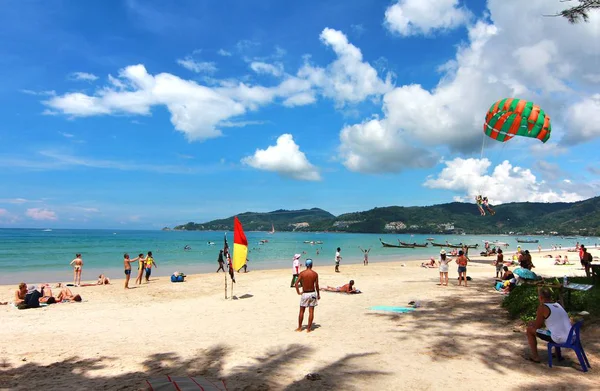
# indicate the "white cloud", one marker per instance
pixel 495 63
pixel 374 147
pixel 197 66
pixel 66 135
pixel 195 110
pixel 469 177
pixel 7 218
pixel 39 93
pixel 3 212
pixel 548 149
pixel 301 99
pixel 413 17
pixel 348 79
pixel 83 76
pixel 224 53
pixel 41 214
pixel 284 158
pixel 583 121
pixel 17 201
pixel 267 69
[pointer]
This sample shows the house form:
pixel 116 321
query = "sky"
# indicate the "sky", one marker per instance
pixel 142 114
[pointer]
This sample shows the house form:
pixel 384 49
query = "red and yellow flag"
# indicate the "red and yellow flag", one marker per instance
pixel 240 245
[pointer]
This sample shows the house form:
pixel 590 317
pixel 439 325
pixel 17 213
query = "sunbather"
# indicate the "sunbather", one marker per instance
pixel 66 295
pixel 430 264
pixel 348 288
pixel 47 294
pixel 103 280
pixel 20 294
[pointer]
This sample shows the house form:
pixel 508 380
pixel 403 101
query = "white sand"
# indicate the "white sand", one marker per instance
pixel 460 338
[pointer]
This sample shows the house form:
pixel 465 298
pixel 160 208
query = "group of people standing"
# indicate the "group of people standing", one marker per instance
pixel 145 264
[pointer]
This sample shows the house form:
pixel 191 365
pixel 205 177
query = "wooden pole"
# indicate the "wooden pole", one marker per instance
pixel 225 285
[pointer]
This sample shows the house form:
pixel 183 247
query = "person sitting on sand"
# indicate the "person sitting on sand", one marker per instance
pixel 20 294
pixel 556 319
pixel 429 265
pixel 103 280
pixel 66 295
pixel 348 288
pixel 507 274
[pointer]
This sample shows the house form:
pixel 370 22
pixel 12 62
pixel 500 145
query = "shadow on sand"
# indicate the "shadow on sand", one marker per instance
pixel 268 372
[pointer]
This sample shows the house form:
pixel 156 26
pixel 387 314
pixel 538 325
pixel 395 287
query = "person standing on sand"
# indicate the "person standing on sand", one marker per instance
pixel 309 280
pixel 295 269
pixel 338 258
pixel 221 262
pixel 366 255
pixel 499 263
pixel 462 267
pixel 127 266
pixel 586 261
pixel 141 266
pixel 444 268
pixel 77 264
pixel 149 263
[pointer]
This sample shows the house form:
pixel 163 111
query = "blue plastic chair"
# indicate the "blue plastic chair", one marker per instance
pixel 573 342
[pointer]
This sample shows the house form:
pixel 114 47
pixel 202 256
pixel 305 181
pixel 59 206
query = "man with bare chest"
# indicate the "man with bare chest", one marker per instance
pixel 309 280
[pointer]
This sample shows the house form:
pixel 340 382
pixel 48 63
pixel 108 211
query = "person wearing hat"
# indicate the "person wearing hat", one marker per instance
pixel 295 269
pixel 444 268
pixel 309 279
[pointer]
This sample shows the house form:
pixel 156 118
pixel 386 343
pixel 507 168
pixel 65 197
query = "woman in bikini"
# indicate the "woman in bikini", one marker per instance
pixel 66 295
pixel 77 264
pixel 141 267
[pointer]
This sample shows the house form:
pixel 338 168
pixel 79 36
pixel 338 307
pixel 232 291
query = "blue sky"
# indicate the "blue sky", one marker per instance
pixel 141 114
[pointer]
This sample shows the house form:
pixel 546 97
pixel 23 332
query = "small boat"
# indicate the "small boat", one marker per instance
pixel 430 239
pixel 414 244
pixel 527 240
pixel 306 241
pixel 47 230
pixel 439 244
pixel 210 243
pixel 389 244
pixel 272 230
pixel 319 242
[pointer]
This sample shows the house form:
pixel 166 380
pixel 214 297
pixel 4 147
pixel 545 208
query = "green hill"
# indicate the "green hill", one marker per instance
pixel 281 220
pixel 578 218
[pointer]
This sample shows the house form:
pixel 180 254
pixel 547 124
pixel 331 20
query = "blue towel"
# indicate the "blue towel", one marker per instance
pixel 400 310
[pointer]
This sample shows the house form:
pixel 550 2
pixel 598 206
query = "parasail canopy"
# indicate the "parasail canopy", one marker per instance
pixel 516 117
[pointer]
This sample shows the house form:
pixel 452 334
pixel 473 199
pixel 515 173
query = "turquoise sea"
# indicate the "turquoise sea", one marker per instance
pixel 36 255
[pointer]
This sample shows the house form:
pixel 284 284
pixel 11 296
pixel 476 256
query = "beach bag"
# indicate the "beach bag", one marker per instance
pixel 177 278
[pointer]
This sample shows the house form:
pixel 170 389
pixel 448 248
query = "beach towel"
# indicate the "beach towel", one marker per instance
pixel 398 310
pixel 185 384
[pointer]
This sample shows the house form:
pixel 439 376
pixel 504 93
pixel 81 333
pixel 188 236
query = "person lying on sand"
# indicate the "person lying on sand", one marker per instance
pixel 348 288
pixel 430 264
pixel 66 295
pixel 103 280
pixel 47 294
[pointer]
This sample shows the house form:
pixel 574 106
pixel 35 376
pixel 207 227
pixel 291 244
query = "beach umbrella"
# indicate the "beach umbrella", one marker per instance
pixel 525 274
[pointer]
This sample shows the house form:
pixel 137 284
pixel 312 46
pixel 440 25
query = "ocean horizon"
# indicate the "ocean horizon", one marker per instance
pixel 44 254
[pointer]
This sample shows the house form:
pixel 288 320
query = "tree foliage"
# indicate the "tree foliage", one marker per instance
pixel 580 12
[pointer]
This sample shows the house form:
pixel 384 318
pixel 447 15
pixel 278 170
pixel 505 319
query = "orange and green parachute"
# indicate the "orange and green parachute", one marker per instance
pixel 516 117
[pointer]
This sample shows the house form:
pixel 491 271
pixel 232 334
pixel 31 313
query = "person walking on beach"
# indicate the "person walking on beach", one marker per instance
pixel 366 255
pixel 127 267
pixel 221 262
pixel 444 268
pixel 586 261
pixel 462 267
pixel 338 258
pixel 141 267
pixel 149 263
pixel 295 269
pixel 77 264
pixel 309 280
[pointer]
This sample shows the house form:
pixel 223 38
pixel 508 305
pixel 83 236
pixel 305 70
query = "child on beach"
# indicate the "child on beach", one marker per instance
pixel 77 264
pixel 149 263
pixel 499 262
pixel 338 258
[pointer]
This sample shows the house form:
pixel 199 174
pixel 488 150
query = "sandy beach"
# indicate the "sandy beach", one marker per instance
pixel 459 339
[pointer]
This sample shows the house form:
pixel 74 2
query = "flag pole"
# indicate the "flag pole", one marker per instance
pixel 225 273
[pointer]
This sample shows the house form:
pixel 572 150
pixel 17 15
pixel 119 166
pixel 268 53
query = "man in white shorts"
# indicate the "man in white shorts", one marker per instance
pixel 309 280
